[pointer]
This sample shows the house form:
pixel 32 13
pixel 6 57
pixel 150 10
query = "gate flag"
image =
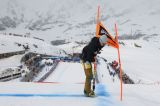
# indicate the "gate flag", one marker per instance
pixel 101 30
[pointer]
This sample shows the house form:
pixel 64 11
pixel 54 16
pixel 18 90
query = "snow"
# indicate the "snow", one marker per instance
pixel 137 62
pixel 64 87
pixel 69 21
pixel 68 73
pixel 62 90
pixel 67 89
pixel 132 94
pixel 47 94
pixel 9 45
pixel 42 73
pixel 13 61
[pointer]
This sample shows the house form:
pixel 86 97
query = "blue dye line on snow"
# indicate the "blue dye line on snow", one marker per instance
pixel 101 90
pixel 41 95
pixel 104 98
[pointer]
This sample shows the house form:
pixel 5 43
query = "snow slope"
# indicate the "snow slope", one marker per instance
pixel 9 44
pixel 69 79
pixel 141 64
pixel 66 90
pixel 50 94
pixel 143 94
pixel 68 74
pixel 13 61
pixel 74 20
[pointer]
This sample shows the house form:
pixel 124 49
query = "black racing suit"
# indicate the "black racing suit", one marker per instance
pixel 91 50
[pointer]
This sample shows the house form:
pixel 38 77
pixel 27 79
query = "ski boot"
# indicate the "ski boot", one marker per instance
pixel 90 94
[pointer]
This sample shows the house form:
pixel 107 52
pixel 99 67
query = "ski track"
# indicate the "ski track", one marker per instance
pixel 64 93
pixel 102 98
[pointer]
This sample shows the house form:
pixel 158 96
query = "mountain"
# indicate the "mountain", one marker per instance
pixel 74 19
pixel 37 23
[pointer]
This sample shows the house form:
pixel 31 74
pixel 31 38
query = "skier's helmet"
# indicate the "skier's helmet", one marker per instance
pixel 103 39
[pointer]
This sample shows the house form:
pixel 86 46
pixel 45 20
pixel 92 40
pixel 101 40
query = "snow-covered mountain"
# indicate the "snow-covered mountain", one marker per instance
pixel 37 22
pixel 74 19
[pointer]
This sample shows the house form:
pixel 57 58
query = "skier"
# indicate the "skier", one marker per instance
pixel 87 57
pixel 114 64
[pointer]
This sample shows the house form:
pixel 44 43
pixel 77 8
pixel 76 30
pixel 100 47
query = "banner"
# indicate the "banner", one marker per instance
pixel 100 30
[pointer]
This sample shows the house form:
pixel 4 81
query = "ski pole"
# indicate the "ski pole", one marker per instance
pixel 94 74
